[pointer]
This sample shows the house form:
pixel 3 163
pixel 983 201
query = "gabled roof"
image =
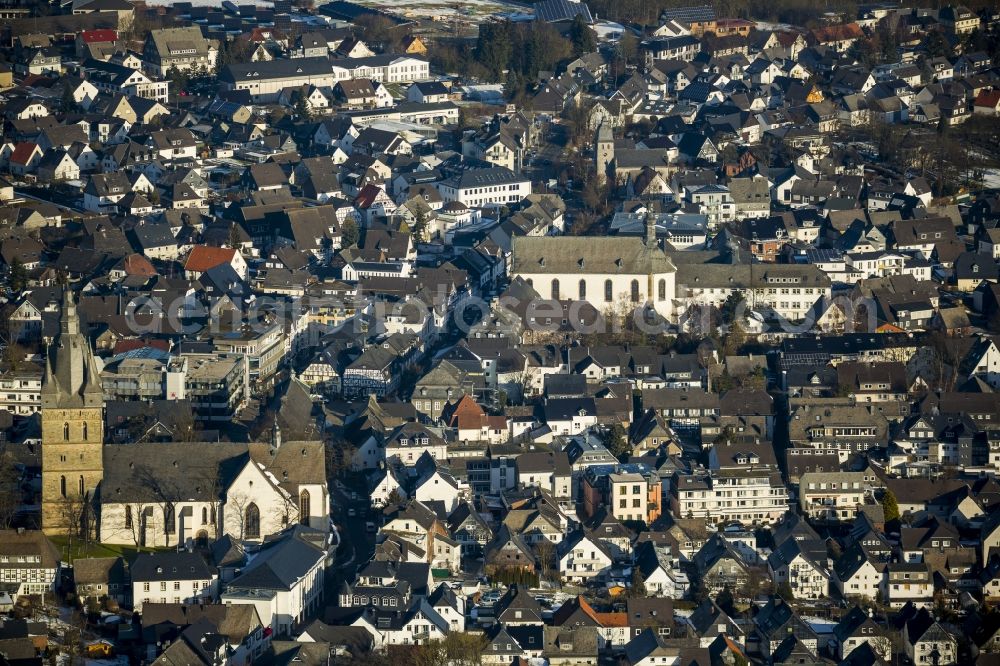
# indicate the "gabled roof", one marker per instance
pixel 204 257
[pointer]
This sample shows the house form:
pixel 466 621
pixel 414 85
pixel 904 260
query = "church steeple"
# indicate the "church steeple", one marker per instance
pixel 650 228
pixel 71 375
pixel 72 427
pixel 276 434
pixel 69 320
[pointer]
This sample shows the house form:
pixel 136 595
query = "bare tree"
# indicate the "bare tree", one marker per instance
pixel 546 554
pixel 71 513
pixel 166 492
pixel 239 503
pixel 133 524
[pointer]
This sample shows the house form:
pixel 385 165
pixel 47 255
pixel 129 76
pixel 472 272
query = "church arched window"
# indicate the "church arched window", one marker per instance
pixel 65 432
pixel 663 289
pixel 555 290
pixel 635 291
pixel 583 290
pixel 204 515
pixel 608 291
pixel 85 432
pixel 304 508
pixel 81 485
pixel 62 486
pixel 252 522
pixel 128 517
pixel 168 519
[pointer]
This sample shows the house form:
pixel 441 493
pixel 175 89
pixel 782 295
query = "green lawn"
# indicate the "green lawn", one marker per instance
pixel 81 550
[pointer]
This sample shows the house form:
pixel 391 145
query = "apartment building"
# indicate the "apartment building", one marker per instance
pixel 631 492
pixel 183 49
pixel 266 80
pixel 21 389
pixel 492 187
pixel 788 290
pixel 180 578
pixel 743 485
pixel 833 496
pixel 217 386
pixel 263 346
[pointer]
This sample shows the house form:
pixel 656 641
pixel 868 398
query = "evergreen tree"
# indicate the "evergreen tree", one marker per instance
pixel 581 36
pixel 349 233
pixel 178 80
pixel 493 47
pixel 890 507
pixel 67 104
pixel 18 278
pixel 302 110
pixel 616 442
pixel 638 587
pixel 420 225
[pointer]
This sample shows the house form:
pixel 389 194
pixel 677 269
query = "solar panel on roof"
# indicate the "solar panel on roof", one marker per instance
pixel 562 10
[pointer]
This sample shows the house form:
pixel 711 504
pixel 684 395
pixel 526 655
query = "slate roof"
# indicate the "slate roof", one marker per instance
pixel 279 566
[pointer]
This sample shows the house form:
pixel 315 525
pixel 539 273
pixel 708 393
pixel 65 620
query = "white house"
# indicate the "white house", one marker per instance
pixel 856 575
pixel 490 188
pixel 284 580
pixel 179 578
pixel 582 558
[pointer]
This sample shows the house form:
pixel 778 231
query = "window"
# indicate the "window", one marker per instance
pixel 663 290
pixel 635 291
pixel 81 485
pixel 251 527
pixel 85 432
pixel 168 518
pixel 608 291
pixel 555 289
pixel 128 517
pixel 65 432
pixel 204 515
pixel 62 486
pixel 583 290
pixel 304 507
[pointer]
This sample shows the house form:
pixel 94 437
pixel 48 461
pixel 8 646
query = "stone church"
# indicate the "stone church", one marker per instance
pixel 164 493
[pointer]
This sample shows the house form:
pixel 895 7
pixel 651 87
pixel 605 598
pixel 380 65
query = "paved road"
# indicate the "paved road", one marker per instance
pixel 548 159
pixel 357 545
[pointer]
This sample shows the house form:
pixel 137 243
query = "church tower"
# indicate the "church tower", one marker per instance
pixel 604 153
pixel 72 427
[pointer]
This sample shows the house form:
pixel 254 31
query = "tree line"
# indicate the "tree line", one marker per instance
pixel 514 53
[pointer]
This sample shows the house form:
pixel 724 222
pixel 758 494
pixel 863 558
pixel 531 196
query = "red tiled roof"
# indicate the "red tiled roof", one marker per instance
pixel 367 196
pixel 23 152
pixel 988 98
pixel 98 36
pixel 204 257
pixel 837 33
pixel 137 264
pixel 604 619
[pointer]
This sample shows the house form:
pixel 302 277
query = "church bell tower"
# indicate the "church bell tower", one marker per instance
pixel 72 427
